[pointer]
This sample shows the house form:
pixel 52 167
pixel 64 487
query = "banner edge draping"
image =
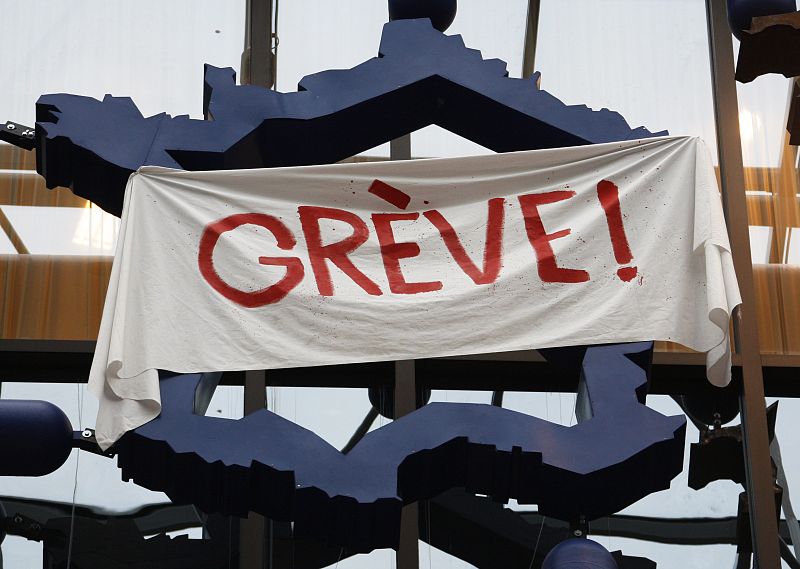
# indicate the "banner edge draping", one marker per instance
pixel 117 381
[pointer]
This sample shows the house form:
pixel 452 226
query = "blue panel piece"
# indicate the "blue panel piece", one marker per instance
pixel 619 452
pixel 35 437
pixel 421 77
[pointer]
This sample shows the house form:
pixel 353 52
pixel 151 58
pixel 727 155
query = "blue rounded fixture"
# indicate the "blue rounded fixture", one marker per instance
pixel 441 12
pixel 741 12
pixel 36 438
pixel 579 554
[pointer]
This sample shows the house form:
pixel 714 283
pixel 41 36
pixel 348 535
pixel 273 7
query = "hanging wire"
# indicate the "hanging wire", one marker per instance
pixel 536 547
pixel 574 420
pixel 430 548
pixel 75 483
pixel 277 41
pixel 547 405
pixel 272 399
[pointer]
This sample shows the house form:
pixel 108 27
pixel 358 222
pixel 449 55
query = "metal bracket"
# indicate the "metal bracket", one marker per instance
pixel 86 440
pixel 18 135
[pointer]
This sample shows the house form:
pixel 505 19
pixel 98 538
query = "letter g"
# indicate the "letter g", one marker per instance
pixel 284 239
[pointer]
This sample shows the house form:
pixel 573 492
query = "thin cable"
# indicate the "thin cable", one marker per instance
pixel 536 547
pixel 75 484
pixel 430 548
pixel 574 420
pixel 277 42
pixel 560 410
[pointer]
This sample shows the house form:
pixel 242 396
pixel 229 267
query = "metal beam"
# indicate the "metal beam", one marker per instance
pixel 787 555
pixel 361 430
pixel 531 38
pixel 760 480
pixel 13 236
pixel 255 545
pixel 405 402
pixel 400 148
pixel 68 361
pixel 257 68
pixel 257 65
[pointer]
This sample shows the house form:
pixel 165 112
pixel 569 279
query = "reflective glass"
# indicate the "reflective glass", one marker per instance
pixel 773 207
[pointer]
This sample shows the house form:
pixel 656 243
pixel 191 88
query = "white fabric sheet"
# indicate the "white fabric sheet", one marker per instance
pixel 187 299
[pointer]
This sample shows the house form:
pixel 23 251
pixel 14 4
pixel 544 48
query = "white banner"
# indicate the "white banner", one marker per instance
pixel 288 267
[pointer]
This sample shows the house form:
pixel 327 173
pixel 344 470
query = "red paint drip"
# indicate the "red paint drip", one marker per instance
pixel 608 193
pixel 390 194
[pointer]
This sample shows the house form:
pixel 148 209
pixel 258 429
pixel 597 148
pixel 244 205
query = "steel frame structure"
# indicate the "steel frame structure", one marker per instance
pixel 760 481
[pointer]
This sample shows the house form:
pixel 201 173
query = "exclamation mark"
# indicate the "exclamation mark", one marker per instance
pixel 609 198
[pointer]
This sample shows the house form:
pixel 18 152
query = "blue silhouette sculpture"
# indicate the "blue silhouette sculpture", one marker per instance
pixel 619 452
pixel 421 77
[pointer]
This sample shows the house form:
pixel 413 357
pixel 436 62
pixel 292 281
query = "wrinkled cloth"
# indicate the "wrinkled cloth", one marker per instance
pixel 295 267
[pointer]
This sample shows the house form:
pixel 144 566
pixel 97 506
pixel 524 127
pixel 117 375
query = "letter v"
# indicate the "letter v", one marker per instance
pixel 493 249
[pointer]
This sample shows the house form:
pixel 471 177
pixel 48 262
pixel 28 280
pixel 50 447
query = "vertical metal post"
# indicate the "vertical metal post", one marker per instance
pixel 257 68
pixel 255 550
pixel 760 484
pixel 257 59
pixel 531 37
pixel 400 148
pixel 405 401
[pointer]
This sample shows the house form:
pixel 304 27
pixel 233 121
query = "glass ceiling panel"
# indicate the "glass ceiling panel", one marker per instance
pixel 763 109
pixel 64 230
pixel 21 552
pixel 332 413
pixel 666 556
pixel 647 60
pixel 429 556
pixel 149 50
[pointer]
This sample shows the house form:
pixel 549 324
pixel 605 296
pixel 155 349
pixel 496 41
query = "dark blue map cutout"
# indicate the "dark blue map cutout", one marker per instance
pixel 619 452
pixel 421 77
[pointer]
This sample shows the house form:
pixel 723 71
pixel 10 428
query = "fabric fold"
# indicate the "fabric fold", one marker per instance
pixel 347 263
